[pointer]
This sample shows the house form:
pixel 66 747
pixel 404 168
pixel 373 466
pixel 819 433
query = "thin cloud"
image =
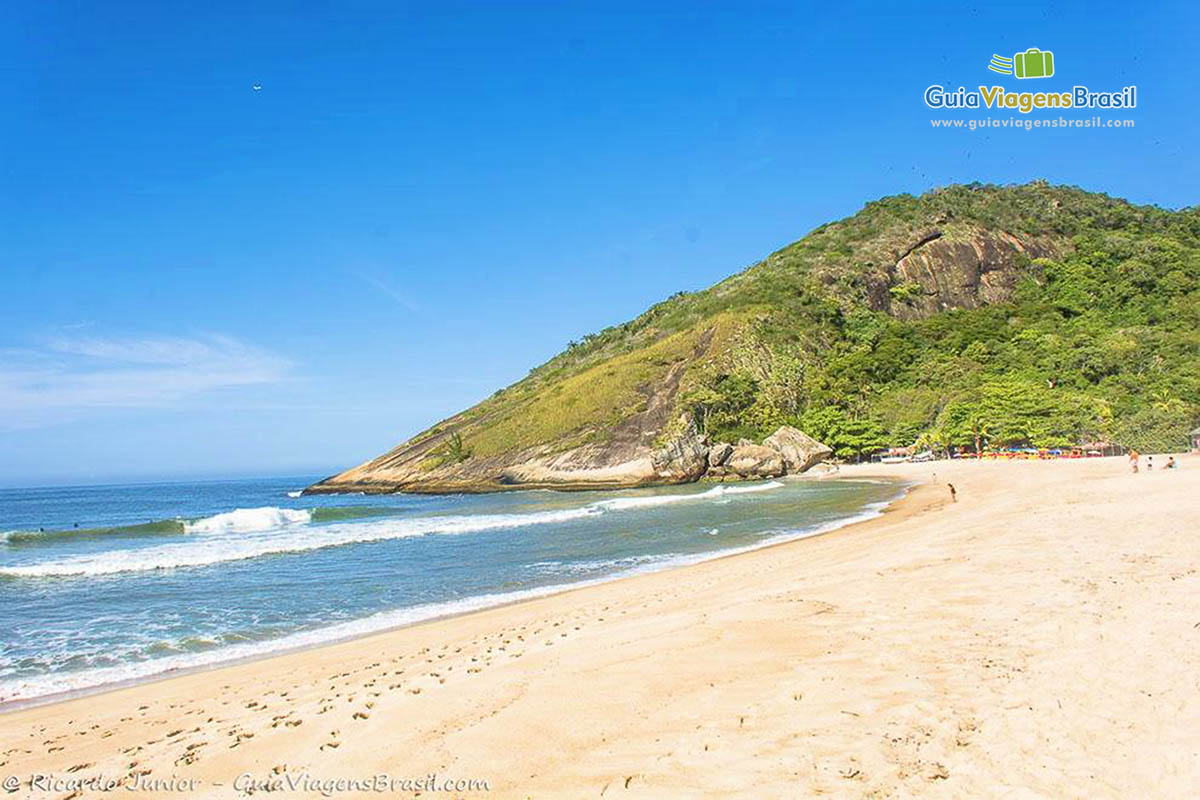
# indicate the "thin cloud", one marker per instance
pixel 386 288
pixel 164 351
pixel 70 375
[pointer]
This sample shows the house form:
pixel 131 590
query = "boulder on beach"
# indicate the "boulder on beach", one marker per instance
pixel 798 450
pixel 684 458
pixel 755 461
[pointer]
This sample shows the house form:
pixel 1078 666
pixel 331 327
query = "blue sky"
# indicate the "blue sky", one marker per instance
pixel 425 200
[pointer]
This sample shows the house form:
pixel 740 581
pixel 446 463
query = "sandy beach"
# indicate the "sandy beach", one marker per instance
pixel 1036 638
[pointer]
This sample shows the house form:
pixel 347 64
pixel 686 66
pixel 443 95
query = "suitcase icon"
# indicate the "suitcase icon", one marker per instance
pixel 1033 63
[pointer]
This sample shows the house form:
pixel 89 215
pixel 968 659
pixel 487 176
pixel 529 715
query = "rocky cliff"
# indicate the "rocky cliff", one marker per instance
pixel 685 458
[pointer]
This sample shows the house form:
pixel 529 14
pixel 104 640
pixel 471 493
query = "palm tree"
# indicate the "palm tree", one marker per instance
pixel 936 440
pixel 1163 400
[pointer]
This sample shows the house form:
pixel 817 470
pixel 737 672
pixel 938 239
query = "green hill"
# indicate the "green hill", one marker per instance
pixel 1034 314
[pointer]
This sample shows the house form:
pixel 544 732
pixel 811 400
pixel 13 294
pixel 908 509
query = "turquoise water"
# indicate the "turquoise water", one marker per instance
pixel 102 584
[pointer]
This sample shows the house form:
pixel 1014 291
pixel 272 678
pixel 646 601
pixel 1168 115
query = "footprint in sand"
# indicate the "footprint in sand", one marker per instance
pixel 190 755
pixel 241 737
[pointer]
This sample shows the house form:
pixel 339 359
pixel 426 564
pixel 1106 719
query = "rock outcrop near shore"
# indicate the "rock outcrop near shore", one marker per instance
pixel 798 450
pixel 686 458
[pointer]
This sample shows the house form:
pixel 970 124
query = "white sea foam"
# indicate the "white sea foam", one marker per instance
pixel 622 565
pixel 296 493
pixel 247 520
pixel 272 531
pixel 51 684
pixel 649 501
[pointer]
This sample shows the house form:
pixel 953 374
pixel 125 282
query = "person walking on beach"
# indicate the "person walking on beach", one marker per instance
pixel 953 493
pixel 1171 463
pixel 1149 463
pixel 1133 460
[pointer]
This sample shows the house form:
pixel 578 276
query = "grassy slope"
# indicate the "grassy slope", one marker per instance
pixel 580 405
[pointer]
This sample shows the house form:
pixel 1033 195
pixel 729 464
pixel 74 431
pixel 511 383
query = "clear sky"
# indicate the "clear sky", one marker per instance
pixel 424 200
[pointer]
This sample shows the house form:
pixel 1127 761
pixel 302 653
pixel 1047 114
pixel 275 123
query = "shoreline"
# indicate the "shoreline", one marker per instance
pixel 868 513
pixel 1036 637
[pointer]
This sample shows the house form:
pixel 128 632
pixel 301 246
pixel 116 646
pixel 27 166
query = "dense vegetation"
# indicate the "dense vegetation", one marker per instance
pixel 1103 343
pixel 1100 342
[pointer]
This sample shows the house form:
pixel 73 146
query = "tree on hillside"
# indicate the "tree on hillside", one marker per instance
pixel 849 437
pixel 979 429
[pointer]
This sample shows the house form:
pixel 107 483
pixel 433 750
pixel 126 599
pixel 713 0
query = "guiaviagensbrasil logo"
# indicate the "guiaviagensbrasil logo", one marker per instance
pixel 1030 63
pixel 1033 63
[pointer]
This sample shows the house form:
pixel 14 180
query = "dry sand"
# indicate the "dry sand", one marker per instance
pixel 1038 638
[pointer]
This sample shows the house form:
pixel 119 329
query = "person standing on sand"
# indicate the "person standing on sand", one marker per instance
pixel 1133 460
pixel 1171 463
pixel 1149 463
pixel 953 493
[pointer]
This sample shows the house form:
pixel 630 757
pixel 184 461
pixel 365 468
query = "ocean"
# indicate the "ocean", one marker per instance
pixel 108 584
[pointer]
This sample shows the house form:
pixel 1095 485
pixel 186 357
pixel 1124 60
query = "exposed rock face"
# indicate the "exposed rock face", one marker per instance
pixel 719 453
pixel 756 461
pixel 685 458
pixel 940 271
pixel 799 450
pixel 682 459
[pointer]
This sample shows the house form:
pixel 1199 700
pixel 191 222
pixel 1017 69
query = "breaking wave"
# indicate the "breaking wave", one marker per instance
pixel 241 520
pixel 275 531
pixel 298 539
pixel 248 520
